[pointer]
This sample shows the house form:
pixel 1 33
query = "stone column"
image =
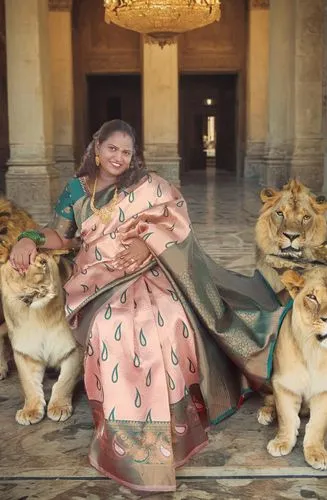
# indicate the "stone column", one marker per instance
pixel 324 110
pixel 257 88
pixel 307 160
pixel 279 145
pixel 160 109
pixel 60 30
pixel 32 180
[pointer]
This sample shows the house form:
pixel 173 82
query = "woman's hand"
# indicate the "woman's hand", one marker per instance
pixel 23 254
pixel 135 253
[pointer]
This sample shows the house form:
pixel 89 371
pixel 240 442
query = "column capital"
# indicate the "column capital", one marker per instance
pixel 259 4
pixel 65 5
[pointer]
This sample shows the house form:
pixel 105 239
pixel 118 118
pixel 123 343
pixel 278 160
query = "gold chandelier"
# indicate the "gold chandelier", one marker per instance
pixel 162 19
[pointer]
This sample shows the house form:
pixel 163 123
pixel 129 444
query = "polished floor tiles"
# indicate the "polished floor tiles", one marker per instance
pixel 48 461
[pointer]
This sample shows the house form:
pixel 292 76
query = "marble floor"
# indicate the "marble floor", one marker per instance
pixel 48 461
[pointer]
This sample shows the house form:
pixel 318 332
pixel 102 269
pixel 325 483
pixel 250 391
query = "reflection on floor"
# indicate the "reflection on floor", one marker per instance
pixel 49 461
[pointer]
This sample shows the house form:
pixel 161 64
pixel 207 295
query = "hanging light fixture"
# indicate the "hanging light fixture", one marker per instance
pixel 162 20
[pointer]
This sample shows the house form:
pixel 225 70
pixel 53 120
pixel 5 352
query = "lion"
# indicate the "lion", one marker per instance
pixel 290 232
pixel 300 367
pixel 33 305
pixel 13 221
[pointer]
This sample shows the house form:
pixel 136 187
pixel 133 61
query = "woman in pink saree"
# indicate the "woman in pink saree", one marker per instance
pixel 167 352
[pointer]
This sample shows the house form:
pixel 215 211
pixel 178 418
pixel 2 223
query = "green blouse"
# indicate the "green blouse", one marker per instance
pixel 73 207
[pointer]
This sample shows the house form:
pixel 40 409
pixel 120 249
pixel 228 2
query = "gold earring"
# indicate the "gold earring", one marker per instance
pixel 97 160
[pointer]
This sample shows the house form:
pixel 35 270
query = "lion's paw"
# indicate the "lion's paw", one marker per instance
pixel 27 416
pixel 278 447
pixel 59 412
pixel 316 456
pixel 266 415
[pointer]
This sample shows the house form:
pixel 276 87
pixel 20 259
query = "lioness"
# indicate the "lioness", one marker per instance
pixel 290 230
pixel 33 305
pixel 13 220
pixel 300 367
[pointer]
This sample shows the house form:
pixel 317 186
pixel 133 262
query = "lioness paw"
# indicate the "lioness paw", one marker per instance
pixel 28 416
pixel 316 457
pixel 278 447
pixel 266 414
pixel 59 412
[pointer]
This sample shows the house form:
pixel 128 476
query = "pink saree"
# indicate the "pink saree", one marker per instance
pixel 165 353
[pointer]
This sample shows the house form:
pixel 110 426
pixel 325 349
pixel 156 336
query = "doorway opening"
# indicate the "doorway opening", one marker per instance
pixel 114 96
pixel 208 122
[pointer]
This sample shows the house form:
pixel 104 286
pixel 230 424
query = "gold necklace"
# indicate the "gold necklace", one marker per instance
pixel 104 213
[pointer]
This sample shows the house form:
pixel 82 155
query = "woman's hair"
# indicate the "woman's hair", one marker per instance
pixel 88 166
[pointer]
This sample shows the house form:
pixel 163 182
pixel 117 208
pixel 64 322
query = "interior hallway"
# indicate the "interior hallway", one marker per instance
pixel 49 460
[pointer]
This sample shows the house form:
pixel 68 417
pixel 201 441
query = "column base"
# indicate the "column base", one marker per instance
pixel 308 163
pixel 277 164
pixel 34 187
pixel 164 160
pixel 254 164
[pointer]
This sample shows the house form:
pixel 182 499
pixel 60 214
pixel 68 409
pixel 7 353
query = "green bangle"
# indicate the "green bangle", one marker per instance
pixel 36 236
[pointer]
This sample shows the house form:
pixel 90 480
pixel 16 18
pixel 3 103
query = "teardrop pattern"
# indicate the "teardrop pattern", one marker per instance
pixel 173 295
pixel 111 417
pixel 180 203
pixel 85 288
pixel 143 341
pixel 159 191
pixel 186 332
pixel 90 350
pixel 138 400
pixel 115 375
pixel 121 215
pixel 149 178
pixel 171 383
pixel 166 211
pixel 136 362
pixel 98 383
pixel 131 197
pixel 104 353
pixel 191 366
pixel 146 236
pixel 113 235
pixel 160 320
pixel 148 379
pixel 174 358
pixel 170 244
pixel 148 419
pixel 98 254
pixel 118 333
pixel 108 313
pixel 123 297
pixel 155 272
pixel 109 268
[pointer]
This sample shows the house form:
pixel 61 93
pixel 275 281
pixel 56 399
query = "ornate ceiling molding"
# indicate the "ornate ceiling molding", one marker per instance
pixel 60 5
pixel 259 4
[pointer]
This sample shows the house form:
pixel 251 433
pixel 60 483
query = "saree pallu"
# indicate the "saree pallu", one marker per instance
pixel 167 350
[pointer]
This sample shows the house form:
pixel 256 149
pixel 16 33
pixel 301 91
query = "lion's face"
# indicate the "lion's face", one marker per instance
pixel 309 292
pixel 290 220
pixel 37 286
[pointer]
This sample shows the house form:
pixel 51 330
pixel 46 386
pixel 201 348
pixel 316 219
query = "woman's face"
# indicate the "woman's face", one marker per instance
pixel 115 153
